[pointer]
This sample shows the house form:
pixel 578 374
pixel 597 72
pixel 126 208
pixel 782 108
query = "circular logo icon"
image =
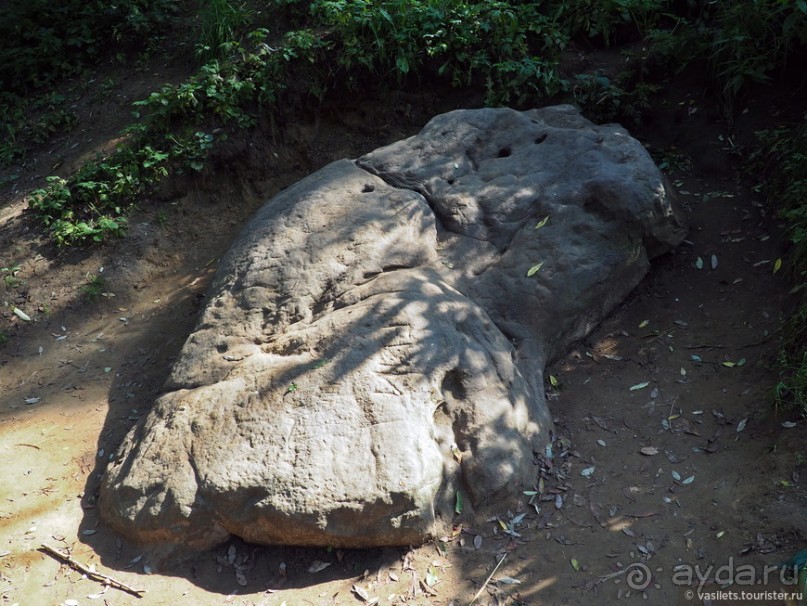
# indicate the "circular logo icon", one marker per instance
pixel 638 576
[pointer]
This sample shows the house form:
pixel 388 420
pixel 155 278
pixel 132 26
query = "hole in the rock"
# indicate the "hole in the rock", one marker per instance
pixel 452 385
pixel 367 188
pixel 222 347
pixel 505 152
pixel 450 181
pixel 540 138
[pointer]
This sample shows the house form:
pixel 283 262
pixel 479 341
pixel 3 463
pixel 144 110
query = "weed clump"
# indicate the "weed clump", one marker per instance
pixel 781 160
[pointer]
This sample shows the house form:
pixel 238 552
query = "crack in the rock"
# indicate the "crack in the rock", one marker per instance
pixel 440 218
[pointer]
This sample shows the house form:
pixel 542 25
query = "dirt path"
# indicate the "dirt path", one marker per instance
pixel 692 469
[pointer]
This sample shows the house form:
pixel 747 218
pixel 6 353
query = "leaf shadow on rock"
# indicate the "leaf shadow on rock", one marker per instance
pixel 426 347
pixel 326 304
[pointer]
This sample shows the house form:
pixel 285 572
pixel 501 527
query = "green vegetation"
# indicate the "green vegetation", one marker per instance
pixel 10 278
pixel 46 42
pixel 221 22
pixel 781 161
pixel 93 287
pixel 510 50
pixel 750 40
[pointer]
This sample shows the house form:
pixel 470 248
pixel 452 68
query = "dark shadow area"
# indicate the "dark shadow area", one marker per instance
pixel 360 339
pixel 606 521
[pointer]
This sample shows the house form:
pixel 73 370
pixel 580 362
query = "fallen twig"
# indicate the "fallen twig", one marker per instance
pixel 707 346
pixel 485 584
pixel 763 340
pixel 95 576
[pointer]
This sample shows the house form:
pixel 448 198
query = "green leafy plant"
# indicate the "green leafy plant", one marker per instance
pixel 93 287
pixel 510 48
pixel 752 39
pixel 600 20
pixel 26 121
pixel 220 21
pixel 10 278
pixel 45 41
pixel 781 162
pixel 605 100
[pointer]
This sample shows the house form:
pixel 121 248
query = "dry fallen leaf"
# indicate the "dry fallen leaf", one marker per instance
pixel 100 594
pixel 318 566
pixel 649 451
pixel 21 314
pixel 361 592
pixel 508 581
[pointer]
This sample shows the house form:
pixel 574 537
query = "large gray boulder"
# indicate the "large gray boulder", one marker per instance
pixel 375 339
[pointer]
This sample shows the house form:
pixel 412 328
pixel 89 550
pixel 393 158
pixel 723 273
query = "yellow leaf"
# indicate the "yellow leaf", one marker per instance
pixel 644 323
pixel 729 364
pixel 575 564
pixel 553 381
pixel 542 222
pixel 777 265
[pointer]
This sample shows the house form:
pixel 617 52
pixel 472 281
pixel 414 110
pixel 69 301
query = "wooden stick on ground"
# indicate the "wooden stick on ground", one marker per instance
pixel 485 584
pixel 95 576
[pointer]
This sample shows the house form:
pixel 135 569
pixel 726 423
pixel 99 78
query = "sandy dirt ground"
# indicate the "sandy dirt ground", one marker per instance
pixel 671 471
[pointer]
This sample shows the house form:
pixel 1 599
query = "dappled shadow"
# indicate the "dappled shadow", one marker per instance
pixel 312 293
pixel 542 560
pixel 447 333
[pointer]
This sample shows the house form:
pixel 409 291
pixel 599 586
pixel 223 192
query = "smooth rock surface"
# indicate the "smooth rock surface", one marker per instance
pixel 373 344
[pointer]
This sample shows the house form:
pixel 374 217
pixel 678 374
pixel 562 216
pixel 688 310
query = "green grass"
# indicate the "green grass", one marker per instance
pixel 220 22
pixel 781 161
pixel 93 287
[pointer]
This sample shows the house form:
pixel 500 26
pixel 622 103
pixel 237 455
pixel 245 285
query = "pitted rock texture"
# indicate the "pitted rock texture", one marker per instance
pixel 373 343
